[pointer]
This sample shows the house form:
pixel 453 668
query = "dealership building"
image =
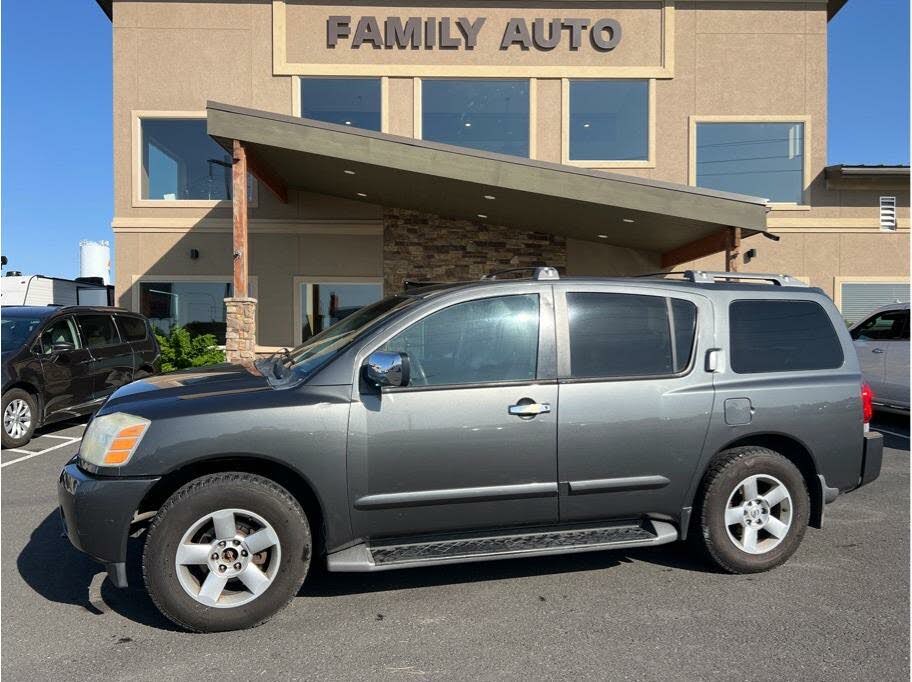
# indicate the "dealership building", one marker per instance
pixel 279 163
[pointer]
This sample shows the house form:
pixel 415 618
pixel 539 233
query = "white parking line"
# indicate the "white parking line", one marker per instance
pixel 51 435
pixel 40 452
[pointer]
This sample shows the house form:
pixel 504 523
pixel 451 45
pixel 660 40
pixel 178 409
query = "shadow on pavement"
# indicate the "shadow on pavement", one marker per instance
pixel 59 573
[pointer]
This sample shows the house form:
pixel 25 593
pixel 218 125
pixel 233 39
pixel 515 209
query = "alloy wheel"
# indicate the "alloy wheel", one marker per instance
pixel 228 558
pixel 758 514
pixel 17 418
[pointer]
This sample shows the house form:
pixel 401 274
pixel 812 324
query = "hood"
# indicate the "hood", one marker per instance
pixel 191 383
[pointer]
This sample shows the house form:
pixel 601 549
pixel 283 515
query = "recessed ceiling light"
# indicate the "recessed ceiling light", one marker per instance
pixel 490 197
pixel 585 125
pixel 348 123
pixel 468 125
pixel 628 220
pixel 348 172
pixel 482 215
pixel 603 236
pixel 361 194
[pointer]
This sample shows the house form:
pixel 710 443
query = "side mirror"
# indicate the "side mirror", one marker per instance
pixel 384 368
pixel 62 347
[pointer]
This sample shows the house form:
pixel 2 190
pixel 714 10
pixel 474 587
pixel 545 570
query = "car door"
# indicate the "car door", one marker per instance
pixel 135 330
pixel 67 369
pixel 635 398
pixel 874 338
pixel 470 442
pixel 112 357
pixel 896 365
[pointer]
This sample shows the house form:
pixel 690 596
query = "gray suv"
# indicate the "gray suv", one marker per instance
pixel 484 420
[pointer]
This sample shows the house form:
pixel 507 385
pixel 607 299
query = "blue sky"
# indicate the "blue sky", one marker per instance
pixel 56 117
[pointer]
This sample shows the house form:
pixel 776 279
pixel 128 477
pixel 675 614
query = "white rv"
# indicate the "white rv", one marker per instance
pixel 19 289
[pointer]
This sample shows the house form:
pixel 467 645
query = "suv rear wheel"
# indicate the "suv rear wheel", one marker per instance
pixel 226 552
pixel 19 416
pixel 754 510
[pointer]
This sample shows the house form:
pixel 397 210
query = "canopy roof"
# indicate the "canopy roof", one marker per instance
pixel 288 152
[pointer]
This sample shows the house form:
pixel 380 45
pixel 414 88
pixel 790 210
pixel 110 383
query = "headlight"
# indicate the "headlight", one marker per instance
pixel 112 439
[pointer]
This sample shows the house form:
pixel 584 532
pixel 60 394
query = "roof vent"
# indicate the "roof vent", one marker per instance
pixel 888 213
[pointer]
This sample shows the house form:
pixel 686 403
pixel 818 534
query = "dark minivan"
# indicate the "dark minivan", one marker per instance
pixel 61 362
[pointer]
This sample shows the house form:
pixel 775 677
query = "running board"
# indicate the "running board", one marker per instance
pixel 385 557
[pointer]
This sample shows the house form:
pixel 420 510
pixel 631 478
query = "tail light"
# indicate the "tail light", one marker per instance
pixel 867 403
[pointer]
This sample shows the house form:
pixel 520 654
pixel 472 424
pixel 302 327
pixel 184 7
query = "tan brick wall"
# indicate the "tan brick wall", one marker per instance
pixel 426 247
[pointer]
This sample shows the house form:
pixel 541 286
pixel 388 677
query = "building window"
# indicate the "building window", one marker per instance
pixel 488 114
pixel 609 120
pixel 759 159
pixel 325 303
pixel 181 162
pixel 199 307
pixel 352 102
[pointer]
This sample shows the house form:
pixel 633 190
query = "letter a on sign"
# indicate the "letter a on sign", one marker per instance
pixel 517 32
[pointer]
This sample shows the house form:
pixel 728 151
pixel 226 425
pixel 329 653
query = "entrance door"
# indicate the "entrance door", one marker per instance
pixel 635 399
pixel 446 452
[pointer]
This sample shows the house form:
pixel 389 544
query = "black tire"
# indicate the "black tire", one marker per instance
pixel 229 490
pixel 10 441
pixel 728 470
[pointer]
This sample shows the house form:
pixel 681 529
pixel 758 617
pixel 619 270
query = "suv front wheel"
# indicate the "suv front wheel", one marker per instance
pixel 226 552
pixel 753 511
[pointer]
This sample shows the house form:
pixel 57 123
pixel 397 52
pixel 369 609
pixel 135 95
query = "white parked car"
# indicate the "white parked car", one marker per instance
pixel 882 343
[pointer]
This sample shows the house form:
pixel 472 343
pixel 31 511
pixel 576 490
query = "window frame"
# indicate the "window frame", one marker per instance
pixel 648 162
pixel 137 200
pixel 135 303
pixel 418 106
pixel 545 367
pixel 704 318
pixel 806 177
pixel 384 94
pixel 74 328
pixel 298 280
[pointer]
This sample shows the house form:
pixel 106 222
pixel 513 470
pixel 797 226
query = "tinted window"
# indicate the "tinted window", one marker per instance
pixel 782 336
pixel 346 101
pixel 59 331
pixel 892 325
pixel 17 330
pixel 132 328
pixel 490 114
pixel 491 339
pixel 627 335
pixel 98 331
pixel 760 159
pixel 609 120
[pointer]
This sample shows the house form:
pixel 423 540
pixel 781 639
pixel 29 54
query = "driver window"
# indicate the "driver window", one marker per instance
pixel 892 325
pixel 487 340
pixel 60 331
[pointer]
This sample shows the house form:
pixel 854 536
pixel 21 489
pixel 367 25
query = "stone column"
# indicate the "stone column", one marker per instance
pixel 240 337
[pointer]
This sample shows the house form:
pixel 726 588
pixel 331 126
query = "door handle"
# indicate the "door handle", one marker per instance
pixel 878 350
pixel 529 409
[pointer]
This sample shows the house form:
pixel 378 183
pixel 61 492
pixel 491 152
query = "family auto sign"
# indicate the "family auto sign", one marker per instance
pixel 462 33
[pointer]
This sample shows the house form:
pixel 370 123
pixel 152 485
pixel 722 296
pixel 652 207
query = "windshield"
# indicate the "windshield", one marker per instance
pixel 16 330
pixel 322 347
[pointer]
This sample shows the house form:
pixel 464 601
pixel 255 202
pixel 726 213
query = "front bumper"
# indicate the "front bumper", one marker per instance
pixel 97 512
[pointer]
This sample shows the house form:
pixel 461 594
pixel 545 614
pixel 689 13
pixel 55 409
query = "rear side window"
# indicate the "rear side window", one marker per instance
pixel 782 336
pixel 133 328
pixel 629 335
pixel 98 331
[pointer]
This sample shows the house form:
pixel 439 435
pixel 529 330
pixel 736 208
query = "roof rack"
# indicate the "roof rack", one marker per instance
pixel 539 273
pixel 704 277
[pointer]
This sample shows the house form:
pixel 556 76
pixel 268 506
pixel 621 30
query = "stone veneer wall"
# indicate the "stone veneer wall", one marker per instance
pixel 427 247
pixel 240 337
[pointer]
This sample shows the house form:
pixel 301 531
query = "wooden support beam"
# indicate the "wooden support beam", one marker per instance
pixel 264 174
pixel 705 246
pixel 239 208
pixel 732 249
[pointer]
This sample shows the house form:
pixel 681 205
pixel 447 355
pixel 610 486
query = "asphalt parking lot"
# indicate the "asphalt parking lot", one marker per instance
pixel 838 610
